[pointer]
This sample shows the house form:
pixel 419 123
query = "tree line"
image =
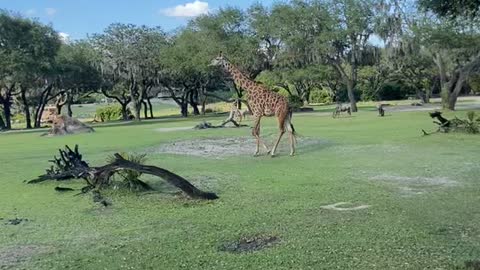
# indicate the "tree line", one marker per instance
pixel 310 51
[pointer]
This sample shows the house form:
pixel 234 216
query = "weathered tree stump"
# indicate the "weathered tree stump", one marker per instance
pixel 71 166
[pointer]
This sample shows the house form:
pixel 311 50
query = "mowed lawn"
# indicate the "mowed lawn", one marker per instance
pixel 423 195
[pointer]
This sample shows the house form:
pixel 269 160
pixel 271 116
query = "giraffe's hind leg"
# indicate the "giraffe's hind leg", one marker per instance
pixel 291 136
pixel 281 125
pixel 256 134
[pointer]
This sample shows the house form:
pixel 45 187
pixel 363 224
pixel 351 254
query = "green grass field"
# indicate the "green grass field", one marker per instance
pixel 423 195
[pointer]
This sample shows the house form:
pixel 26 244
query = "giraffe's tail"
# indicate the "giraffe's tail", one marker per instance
pixel 288 123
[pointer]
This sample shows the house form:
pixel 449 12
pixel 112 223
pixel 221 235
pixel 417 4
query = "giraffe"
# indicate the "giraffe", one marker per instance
pixel 262 102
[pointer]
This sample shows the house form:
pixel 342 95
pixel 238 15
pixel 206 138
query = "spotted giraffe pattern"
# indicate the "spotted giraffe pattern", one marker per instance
pixel 262 102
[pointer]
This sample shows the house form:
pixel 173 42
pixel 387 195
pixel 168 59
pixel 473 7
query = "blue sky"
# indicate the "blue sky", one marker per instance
pixel 77 18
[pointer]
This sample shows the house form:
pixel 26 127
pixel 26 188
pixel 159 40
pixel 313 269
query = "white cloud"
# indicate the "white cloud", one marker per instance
pixel 64 37
pixel 50 11
pixel 31 12
pixel 192 9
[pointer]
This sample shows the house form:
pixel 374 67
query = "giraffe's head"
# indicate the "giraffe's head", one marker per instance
pixel 220 60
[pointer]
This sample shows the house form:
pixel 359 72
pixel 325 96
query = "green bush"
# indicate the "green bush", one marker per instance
pixel 295 101
pixel 111 112
pixel 18 118
pixel 282 91
pixel 342 94
pixel 320 96
pixel 395 91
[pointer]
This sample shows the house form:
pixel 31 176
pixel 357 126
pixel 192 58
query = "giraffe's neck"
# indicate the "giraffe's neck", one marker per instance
pixel 239 78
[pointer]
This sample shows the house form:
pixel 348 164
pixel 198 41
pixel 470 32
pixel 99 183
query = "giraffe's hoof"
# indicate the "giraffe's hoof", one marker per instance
pixel 273 155
pixel 292 154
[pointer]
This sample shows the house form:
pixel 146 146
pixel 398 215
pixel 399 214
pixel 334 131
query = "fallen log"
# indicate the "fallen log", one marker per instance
pixel 71 166
pixel 470 125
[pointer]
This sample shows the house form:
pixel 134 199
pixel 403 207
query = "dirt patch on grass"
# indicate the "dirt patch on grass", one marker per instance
pixel 417 180
pixel 233 146
pixel 416 185
pixel 344 206
pixel 250 244
pixel 15 221
pixel 11 256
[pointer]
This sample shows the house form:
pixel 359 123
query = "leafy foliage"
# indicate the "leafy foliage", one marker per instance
pixel 111 112
pixel 453 8
pixel 320 96
pixel 131 178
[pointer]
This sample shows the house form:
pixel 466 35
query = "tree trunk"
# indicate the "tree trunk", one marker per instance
pixel 41 106
pixel 204 104
pixel 69 107
pixel 7 115
pixel 41 109
pixel 351 96
pixel 150 107
pixel 136 98
pixel 26 107
pixel 461 75
pixel 428 94
pixel 441 69
pixel 184 109
pixel 239 95
pixel 6 101
pixel 193 102
pixel 137 108
pixel 145 109
pixel 2 123
pixel 124 111
pixel 457 86
pixel 349 82
pixel 59 107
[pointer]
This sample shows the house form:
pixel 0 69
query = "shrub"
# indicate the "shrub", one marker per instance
pixel 320 96
pixel 282 91
pixel 342 94
pixel 394 91
pixel 18 118
pixel 131 178
pixel 111 112
pixel 295 101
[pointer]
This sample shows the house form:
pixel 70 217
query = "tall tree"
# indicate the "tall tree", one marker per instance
pixel 78 78
pixel 27 52
pixel 130 53
pixel 350 47
pixel 187 74
pixel 334 32
pixel 455 49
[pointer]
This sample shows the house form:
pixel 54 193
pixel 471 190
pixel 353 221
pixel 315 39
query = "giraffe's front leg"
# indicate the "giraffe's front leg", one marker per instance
pixel 256 134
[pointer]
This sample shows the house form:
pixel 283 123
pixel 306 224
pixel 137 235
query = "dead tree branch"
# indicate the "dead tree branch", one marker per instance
pixel 71 166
